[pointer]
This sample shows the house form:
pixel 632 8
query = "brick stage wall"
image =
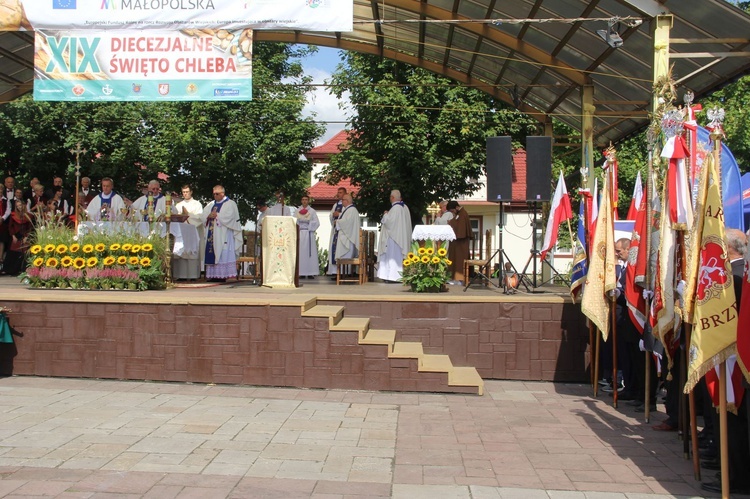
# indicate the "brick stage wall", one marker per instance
pixel 275 346
pixel 519 341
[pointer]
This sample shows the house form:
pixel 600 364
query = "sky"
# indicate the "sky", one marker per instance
pixel 320 66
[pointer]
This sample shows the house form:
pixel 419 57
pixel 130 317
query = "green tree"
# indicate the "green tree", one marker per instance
pixel 415 131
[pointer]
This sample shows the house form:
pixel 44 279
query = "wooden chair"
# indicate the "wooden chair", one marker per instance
pixel 249 258
pixel 347 264
pixel 483 267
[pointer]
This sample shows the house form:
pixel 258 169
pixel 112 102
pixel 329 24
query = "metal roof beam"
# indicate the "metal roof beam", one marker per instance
pixel 536 55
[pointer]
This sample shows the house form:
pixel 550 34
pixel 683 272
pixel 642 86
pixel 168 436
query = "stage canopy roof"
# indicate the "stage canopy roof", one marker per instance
pixel 535 55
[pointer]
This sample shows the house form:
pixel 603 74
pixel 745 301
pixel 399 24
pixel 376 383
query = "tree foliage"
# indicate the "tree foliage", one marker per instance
pixel 252 148
pixel 417 132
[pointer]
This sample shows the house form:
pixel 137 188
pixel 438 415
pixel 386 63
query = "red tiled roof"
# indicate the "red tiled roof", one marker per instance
pixel 330 148
pixel 323 192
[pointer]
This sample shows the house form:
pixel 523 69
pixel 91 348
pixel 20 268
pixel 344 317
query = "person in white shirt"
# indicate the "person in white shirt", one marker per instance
pixel 395 239
pixel 280 209
pixel 194 210
pixel 444 215
pixel 108 205
pixel 87 193
pixel 152 204
pixel 307 220
pixel 336 210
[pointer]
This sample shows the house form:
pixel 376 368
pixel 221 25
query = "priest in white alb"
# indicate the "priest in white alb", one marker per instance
pixel 308 223
pixel 346 231
pixel 223 236
pixel 152 204
pixel 395 239
pixel 107 206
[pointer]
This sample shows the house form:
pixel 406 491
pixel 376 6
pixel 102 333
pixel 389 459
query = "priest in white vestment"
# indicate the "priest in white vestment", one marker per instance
pixel 108 206
pixel 395 239
pixel 194 210
pixel 443 215
pixel 336 210
pixel 307 220
pixel 153 202
pixel 346 231
pixel 223 236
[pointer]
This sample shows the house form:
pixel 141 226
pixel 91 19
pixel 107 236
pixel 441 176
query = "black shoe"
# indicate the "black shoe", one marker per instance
pixel 635 402
pixel 711 464
pixel 642 408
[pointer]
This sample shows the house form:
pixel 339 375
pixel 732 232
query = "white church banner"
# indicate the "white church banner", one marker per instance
pixel 148 65
pixel 314 15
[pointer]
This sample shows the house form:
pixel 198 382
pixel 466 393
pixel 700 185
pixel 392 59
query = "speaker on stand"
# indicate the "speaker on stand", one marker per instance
pixel 538 190
pixel 500 190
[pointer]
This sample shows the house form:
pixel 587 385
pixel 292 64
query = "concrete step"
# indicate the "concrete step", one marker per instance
pixel 385 337
pixel 436 363
pixel 359 324
pixel 407 350
pixel 334 313
pixel 466 376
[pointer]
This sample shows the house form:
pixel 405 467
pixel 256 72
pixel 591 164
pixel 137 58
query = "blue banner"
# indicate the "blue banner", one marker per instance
pixel 731 183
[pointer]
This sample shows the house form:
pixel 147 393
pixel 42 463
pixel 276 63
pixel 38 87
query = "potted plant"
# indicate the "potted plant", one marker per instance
pixel 426 267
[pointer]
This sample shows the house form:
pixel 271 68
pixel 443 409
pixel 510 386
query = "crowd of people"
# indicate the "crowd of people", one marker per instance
pixel 633 390
pixel 219 227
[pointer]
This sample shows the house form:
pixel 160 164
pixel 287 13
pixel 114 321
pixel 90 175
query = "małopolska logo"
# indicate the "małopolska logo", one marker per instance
pixel 63 4
pixel 313 4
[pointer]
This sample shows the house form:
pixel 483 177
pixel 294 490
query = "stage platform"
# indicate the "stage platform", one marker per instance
pixel 375 336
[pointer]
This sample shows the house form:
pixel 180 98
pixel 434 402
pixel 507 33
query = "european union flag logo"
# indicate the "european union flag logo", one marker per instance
pixel 63 4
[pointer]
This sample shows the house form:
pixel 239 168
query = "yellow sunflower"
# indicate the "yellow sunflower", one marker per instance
pixel 36 249
pixel 114 246
pixel 122 260
pixel 421 251
pixel 126 246
pixel 100 247
pixel 75 247
pixel 61 249
pixel 407 262
pixel 425 259
pixel 147 247
pixel 52 262
pixel 38 262
pixel 415 259
pixel 442 252
pixel 110 260
pixel 66 261
pixel 79 263
pixel 430 251
pixel 92 262
pixel 435 259
pixel 88 248
pixel 133 260
pixel 410 255
pixel 136 248
pixel 448 262
pixel 145 262
pixel 49 248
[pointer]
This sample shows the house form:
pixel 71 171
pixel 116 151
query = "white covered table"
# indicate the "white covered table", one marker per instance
pixel 433 233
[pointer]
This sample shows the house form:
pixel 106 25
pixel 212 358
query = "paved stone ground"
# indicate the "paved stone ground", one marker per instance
pixel 74 438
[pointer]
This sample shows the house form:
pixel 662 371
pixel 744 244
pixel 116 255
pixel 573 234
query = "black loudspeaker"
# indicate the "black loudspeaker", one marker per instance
pixel 499 169
pixel 538 168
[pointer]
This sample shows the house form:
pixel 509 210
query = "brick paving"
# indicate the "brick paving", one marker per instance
pixel 82 438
